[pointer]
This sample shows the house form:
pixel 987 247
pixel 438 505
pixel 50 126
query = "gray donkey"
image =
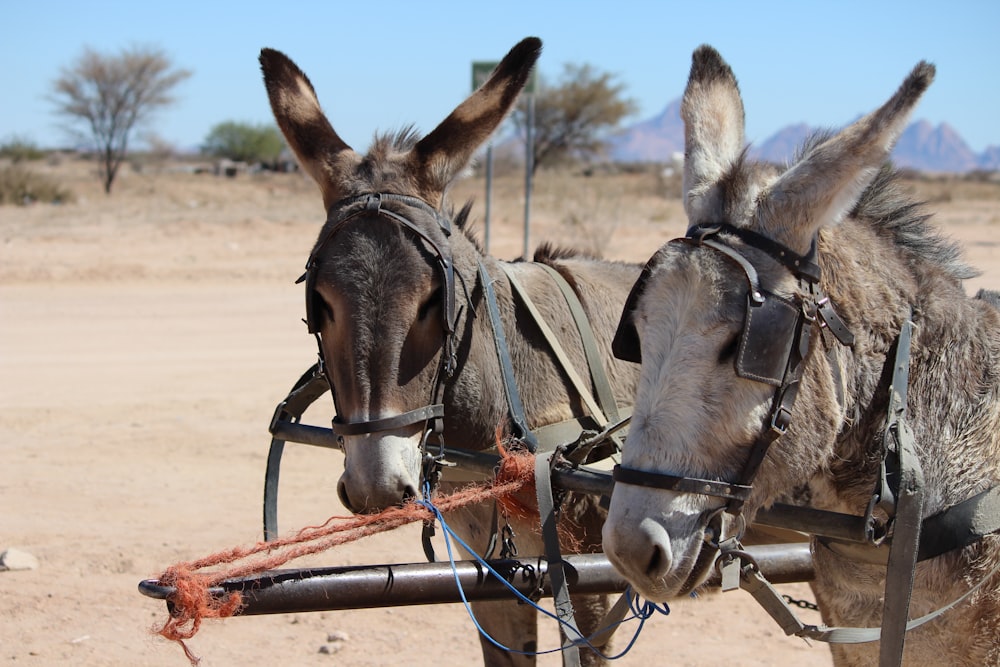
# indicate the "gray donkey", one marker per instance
pixel 398 295
pixel 745 290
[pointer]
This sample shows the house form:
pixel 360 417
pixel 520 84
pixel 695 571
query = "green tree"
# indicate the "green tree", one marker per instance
pixel 574 116
pixel 244 142
pixel 111 94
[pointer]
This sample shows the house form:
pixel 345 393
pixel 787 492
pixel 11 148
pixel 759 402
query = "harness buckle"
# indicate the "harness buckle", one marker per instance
pixel 781 420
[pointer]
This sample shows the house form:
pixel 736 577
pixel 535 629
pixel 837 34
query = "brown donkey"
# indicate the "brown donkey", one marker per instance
pixel 745 289
pixel 397 298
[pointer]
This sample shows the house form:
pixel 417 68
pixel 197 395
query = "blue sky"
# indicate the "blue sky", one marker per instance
pixel 379 65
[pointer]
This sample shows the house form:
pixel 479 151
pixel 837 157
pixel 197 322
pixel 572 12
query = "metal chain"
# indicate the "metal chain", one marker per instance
pixel 801 604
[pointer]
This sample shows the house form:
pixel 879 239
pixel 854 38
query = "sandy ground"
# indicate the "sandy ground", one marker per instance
pixel 144 342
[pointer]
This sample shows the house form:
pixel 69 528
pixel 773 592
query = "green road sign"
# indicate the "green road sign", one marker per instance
pixel 481 70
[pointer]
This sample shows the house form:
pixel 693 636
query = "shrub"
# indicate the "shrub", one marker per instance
pixel 244 142
pixel 18 149
pixel 20 186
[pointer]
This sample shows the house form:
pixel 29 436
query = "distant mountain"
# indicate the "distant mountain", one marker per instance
pixel 927 148
pixel 989 159
pixel 653 140
pixel 783 145
pixel 921 146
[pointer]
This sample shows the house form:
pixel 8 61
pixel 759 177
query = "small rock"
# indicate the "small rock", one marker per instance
pixel 337 636
pixel 329 649
pixel 14 559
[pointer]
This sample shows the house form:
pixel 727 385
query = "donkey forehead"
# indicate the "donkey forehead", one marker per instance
pixel 687 282
pixel 375 249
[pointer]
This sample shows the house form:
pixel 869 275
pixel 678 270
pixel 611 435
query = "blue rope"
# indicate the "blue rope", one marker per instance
pixel 642 610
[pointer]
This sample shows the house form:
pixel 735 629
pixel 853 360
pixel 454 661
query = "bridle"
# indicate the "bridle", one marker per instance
pixel 386 206
pixel 777 338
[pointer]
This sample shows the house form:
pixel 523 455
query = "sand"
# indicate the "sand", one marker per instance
pixel 145 339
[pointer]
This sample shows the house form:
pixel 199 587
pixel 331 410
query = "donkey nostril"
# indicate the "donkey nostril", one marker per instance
pixel 344 498
pixel 659 562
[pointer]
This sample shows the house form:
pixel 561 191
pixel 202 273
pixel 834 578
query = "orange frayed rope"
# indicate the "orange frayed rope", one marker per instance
pixel 191 601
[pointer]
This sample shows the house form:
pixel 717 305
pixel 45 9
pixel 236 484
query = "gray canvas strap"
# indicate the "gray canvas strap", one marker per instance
pixel 549 515
pixel 900 449
pixel 582 388
pixel 763 592
pixel 599 375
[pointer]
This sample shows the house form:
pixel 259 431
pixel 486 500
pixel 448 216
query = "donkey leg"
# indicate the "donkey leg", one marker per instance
pixel 511 624
pixel 589 611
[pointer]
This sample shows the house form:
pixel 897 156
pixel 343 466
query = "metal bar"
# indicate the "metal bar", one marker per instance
pixel 306 434
pixel 370 586
pixel 834 525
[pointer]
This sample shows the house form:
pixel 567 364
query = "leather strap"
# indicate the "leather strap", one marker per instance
pixel 802 266
pixel 961 524
pixel 423 414
pixel 655 480
pixel 901 449
pixel 310 386
pixel 515 408
pixel 549 515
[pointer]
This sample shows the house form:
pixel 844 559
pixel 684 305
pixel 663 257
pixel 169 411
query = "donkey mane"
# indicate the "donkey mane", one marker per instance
pixel 548 252
pixel 887 204
pixel 392 141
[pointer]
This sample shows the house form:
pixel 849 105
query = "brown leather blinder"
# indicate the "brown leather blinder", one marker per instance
pixel 625 345
pixel 767 339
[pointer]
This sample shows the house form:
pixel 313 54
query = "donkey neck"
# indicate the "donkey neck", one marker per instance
pixel 955 356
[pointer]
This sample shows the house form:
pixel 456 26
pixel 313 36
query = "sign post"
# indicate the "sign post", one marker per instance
pixel 481 70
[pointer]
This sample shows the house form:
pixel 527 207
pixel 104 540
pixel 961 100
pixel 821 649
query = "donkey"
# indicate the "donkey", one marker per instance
pixel 764 246
pixel 399 305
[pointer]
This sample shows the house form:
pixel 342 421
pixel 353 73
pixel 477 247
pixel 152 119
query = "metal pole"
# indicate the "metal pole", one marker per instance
pixel 529 162
pixel 489 196
pixel 840 527
pixel 365 587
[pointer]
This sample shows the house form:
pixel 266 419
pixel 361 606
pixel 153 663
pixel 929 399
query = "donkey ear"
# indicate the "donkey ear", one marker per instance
pixel 712 110
pixel 297 110
pixel 827 182
pixel 448 148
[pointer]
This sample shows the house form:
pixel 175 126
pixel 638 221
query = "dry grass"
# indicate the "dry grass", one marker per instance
pixel 21 186
pixel 622 216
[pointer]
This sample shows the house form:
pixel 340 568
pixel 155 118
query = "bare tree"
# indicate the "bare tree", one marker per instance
pixel 113 94
pixel 574 116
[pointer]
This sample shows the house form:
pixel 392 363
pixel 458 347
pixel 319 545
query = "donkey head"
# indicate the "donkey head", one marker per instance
pixel 380 280
pixel 722 298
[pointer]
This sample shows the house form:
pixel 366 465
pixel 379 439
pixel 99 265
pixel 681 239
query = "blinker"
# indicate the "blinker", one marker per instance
pixel 765 344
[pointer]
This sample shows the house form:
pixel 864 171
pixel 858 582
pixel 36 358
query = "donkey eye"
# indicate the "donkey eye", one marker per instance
pixel 729 350
pixel 323 309
pixel 433 300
